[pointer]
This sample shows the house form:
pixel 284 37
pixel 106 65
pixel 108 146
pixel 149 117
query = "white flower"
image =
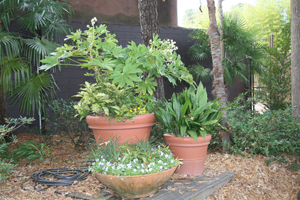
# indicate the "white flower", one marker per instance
pixel 160 167
pixel 119 158
pixel 138 167
pixel 97 160
pixel 134 170
pixel 142 170
pixel 166 155
pixel 172 161
pixel 165 163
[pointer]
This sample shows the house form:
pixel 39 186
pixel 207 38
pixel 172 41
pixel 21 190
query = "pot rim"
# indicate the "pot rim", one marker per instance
pixel 137 176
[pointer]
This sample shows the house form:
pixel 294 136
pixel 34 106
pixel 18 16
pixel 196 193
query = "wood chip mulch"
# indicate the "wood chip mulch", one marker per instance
pixel 253 179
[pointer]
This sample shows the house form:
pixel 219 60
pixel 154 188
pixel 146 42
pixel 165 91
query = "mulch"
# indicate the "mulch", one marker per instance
pixel 253 179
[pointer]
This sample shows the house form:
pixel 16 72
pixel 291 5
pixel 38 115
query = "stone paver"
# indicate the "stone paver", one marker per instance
pixel 198 188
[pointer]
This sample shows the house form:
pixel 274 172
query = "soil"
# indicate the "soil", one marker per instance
pixel 253 179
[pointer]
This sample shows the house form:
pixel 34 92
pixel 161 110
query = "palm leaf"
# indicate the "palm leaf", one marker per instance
pixel 33 92
pixel 16 68
pixel 37 49
pixel 10 46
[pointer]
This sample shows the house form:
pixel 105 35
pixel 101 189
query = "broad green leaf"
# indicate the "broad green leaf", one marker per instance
pixel 209 122
pixel 183 130
pixel 193 134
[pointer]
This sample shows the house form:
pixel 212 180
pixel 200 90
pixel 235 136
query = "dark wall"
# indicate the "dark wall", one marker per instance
pixel 70 78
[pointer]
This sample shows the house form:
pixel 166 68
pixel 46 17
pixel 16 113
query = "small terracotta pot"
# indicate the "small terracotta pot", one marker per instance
pixel 136 186
pixel 129 131
pixel 192 152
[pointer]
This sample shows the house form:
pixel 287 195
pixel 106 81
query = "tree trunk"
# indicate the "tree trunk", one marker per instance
pixel 295 56
pixel 2 108
pixel 149 26
pixel 219 90
pixel 221 23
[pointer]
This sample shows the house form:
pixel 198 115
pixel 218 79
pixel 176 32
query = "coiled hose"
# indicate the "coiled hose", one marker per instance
pixel 62 180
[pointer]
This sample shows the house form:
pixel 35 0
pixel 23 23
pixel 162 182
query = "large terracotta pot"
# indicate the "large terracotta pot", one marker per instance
pixel 192 152
pixel 136 186
pixel 129 131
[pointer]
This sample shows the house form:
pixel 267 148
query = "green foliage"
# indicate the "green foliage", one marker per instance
pixel 41 22
pixel 60 118
pixel 266 16
pixel 194 18
pixel 32 151
pixel 242 53
pixel 190 114
pixel 124 76
pixel 276 79
pixel 11 125
pixel 141 158
pixel 5 169
pixel 270 133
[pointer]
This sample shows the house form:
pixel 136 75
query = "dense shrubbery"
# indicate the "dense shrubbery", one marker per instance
pixel 271 133
pixel 63 118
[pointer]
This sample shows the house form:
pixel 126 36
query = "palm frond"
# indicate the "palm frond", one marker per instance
pixel 33 92
pixel 56 29
pixel 36 49
pixel 13 72
pixel 10 46
pixel 200 73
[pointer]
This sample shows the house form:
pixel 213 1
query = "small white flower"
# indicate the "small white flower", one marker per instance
pixel 119 158
pixel 134 170
pixel 160 167
pixel 172 161
pixel 97 160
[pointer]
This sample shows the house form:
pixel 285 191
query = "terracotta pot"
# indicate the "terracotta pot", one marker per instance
pixel 136 186
pixel 192 152
pixel 125 131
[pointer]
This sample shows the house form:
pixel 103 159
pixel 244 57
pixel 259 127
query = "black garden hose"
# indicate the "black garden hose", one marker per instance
pixel 62 180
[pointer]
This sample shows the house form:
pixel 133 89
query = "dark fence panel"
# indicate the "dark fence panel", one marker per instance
pixel 70 78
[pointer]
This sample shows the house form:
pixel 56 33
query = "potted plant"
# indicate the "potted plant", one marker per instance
pixel 187 119
pixel 121 97
pixel 134 170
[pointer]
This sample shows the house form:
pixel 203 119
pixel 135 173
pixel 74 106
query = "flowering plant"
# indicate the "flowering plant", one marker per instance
pixel 125 76
pixel 141 158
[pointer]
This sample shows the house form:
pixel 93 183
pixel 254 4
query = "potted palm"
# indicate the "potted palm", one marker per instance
pixel 187 120
pixel 118 103
pixel 134 170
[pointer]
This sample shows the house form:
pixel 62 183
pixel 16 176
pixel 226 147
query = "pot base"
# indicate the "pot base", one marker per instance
pixel 193 153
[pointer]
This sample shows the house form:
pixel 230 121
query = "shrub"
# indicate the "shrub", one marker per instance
pixel 6 154
pixel 270 133
pixel 63 118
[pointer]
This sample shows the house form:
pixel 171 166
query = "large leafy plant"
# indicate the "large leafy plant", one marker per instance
pixel 40 22
pixel 190 114
pixel 124 75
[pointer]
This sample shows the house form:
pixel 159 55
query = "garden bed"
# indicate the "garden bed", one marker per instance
pixel 253 178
